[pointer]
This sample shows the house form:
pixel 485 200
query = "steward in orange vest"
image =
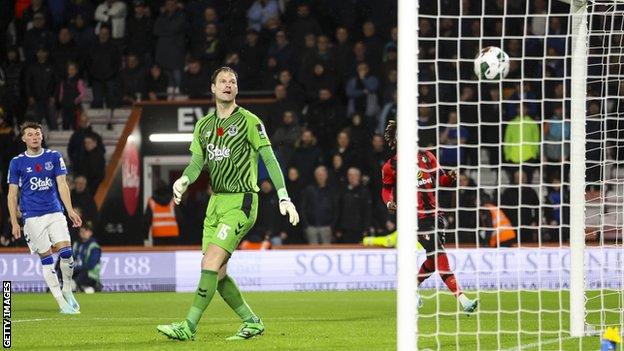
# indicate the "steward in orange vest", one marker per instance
pixel 160 215
pixel 496 229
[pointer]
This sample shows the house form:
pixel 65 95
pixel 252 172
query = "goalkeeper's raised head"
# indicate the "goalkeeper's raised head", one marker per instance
pixel 224 85
pixel 227 143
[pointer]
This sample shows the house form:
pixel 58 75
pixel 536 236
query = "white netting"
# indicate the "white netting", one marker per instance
pixel 605 168
pixel 473 126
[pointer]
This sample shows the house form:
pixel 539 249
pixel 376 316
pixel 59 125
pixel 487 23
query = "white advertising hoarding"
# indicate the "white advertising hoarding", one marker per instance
pixel 317 270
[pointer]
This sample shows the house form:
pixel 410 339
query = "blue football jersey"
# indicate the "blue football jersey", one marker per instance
pixel 36 178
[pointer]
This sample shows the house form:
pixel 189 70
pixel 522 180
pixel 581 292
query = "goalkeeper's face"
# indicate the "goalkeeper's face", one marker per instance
pixel 225 87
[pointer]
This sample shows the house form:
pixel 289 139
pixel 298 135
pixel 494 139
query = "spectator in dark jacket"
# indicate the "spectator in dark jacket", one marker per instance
pixel 303 24
pixel 344 148
pixel 195 81
pixel 355 208
pixel 326 117
pixel 103 63
pixel 208 48
pixel 293 89
pixel 319 209
pixel 282 104
pixel 252 54
pixel 72 91
pixel 40 89
pixel 91 163
pixel 360 139
pixel 319 78
pixel 374 45
pixel 75 147
pixel 14 71
pixel 83 8
pixel 343 51
pixel 337 171
pixel 28 16
pixel 283 52
pixel 133 80
pixel 170 31
pixel 6 139
pixel 325 56
pixel 307 156
pixel 39 36
pixel 139 37
pixel 64 51
pixel 521 205
pixel 362 93
pixel 156 84
pixel 83 199
pixel 285 137
pixel 377 157
pixel 82 33
pixel 293 234
pixel 268 219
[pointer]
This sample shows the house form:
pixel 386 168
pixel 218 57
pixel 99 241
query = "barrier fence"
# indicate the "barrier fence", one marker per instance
pixel 319 270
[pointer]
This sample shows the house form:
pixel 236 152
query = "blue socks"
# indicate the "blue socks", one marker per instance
pixel 65 252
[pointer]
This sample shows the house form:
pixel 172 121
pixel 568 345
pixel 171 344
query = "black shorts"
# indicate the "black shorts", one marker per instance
pixel 431 238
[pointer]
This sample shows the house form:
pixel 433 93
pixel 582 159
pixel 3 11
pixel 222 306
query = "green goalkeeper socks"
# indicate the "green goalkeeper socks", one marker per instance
pixel 205 291
pixel 232 296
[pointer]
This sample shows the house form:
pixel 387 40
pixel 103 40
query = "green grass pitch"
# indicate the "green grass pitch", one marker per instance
pixel 294 321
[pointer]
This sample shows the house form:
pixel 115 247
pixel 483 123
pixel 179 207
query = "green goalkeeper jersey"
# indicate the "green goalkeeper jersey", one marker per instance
pixel 229 147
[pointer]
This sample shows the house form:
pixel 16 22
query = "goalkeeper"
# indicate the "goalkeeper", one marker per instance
pixel 227 143
pixel 429 236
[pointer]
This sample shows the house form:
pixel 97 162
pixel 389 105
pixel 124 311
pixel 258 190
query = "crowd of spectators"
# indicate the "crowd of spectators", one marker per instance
pixel 332 67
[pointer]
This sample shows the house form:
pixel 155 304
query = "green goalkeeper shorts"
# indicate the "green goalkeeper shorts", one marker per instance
pixel 229 217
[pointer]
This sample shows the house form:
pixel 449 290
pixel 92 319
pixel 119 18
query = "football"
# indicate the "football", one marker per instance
pixel 491 63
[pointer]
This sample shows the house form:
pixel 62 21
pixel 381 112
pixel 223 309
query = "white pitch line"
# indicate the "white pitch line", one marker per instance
pixel 538 344
pixel 31 320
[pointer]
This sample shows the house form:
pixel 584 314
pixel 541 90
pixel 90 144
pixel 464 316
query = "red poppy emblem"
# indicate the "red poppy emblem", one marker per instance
pixel 219 131
pixel 38 168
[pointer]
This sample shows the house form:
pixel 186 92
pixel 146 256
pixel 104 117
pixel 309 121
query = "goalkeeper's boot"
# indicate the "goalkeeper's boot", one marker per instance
pixel 67 309
pixel 178 331
pixel 471 306
pixel 248 331
pixel 71 300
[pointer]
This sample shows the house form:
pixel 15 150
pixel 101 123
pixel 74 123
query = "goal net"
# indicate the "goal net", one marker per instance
pixel 534 224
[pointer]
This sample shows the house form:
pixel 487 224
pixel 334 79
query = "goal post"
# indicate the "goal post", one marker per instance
pixel 407 139
pixel 578 27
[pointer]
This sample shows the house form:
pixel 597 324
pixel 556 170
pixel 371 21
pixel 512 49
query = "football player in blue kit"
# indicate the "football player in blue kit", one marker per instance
pixel 37 179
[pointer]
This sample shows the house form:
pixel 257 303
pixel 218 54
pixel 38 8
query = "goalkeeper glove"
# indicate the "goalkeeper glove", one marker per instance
pixel 179 187
pixel 286 206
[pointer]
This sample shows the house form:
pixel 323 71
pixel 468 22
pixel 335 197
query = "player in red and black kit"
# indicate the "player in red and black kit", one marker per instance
pixel 431 238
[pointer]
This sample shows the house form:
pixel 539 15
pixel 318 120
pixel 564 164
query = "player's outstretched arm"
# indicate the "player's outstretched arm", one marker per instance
pixel 63 189
pixel 12 204
pixel 189 176
pixel 285 205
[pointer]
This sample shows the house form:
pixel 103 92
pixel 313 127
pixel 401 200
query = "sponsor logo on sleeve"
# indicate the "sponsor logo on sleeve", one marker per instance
pixel 62 163
pixel 261 130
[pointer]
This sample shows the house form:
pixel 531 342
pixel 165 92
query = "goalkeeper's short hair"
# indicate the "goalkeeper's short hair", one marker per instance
pixel 223 69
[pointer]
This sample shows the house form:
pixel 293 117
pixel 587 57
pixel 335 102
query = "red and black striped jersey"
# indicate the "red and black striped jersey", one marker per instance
pixel 428 173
